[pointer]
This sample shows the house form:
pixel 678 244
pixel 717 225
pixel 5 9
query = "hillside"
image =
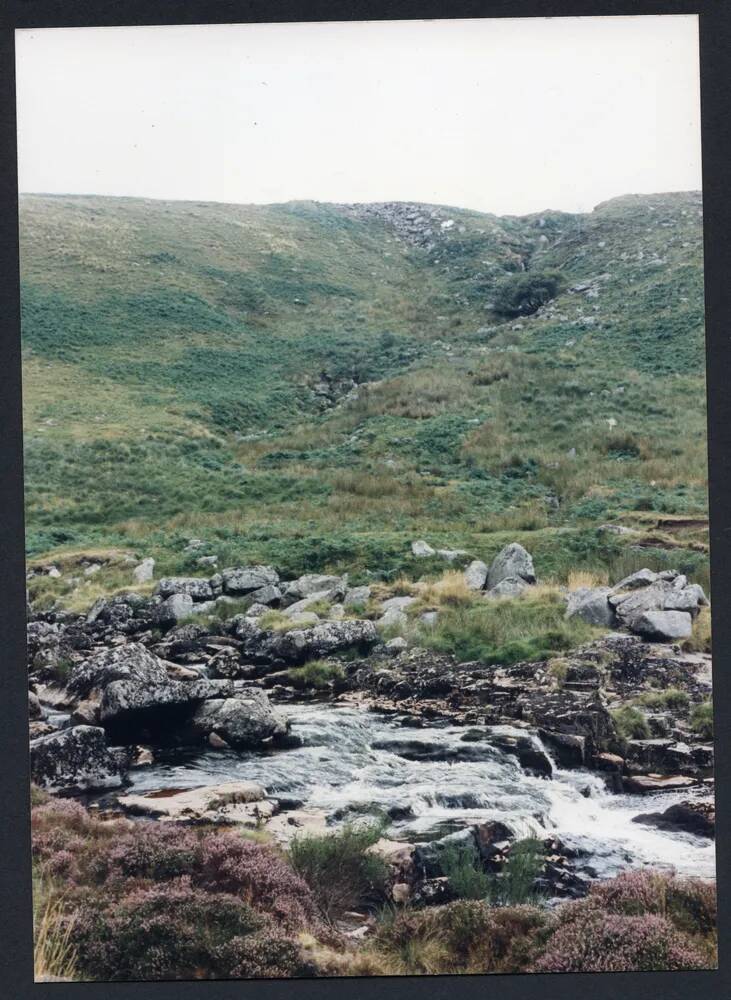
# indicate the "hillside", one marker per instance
pixel 315 386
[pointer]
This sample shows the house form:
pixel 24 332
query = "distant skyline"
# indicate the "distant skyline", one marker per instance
pixel 506 116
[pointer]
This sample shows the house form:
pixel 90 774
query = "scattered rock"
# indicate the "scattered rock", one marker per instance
pixel 512 561
pixel 422 550
pixel 144 571
pixel 245 721
pixel 475 576
pixel 664 626
pixel 242 580
pixel 74 760
pixel 591 605
pixel 685 817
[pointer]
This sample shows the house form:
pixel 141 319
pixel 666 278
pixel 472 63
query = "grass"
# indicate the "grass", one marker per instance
pixel 317 674
pixel 172 350
pixel 701 720
pixel 514 886
pixel 507 630
pixel 672 698
pixel 631 723
pixel 340 869
pixel 54 956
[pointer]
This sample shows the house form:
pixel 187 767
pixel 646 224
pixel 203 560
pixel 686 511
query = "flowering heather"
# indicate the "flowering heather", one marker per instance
pixel 608 942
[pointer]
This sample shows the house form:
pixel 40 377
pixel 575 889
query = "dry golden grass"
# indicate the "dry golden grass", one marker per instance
pixel 54 957
pixel 583 578
pixel 450 589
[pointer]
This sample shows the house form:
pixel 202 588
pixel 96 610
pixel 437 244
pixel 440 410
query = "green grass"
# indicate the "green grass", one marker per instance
pixel 630 723
pixel 530 627
pixel 172 351
pixel 317 674
pixel 340 869
pixel 701 720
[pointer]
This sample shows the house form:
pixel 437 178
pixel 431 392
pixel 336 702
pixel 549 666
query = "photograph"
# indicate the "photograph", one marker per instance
pixel 365 458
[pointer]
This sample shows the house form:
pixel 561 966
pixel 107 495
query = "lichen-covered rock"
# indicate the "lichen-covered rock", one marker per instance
pixel 129 662
pixel 475 576
pixel 246 721
pixel 243 579
pixel 664 626
pixel 173 609
pixel 422 549
pixel 355 596
pixel 124 698
pixel 591 605
pixel 231 802
pixel 196 587
pixel 323 639
pixel 635 581
pixel 512 561
pixel 74 760
pixel 144 571
pixel 330 587
pixel 510 586
pixel 35 712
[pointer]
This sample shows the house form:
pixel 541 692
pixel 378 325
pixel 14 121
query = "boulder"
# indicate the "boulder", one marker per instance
pixel 324 639
pixel 242 580
pixel 270 595
pixel 510 586
pixel 512 561
pixel 198 588
pixel 329 587
pixel 451 554
pixel 642 578
pixel 130 701
pixel 132 662
pixel 355 596
pixel 397 603
pixel 305 603
pixel 245 721
pixel 475 576
pixel 422 550
pixel 35 712
pixel 591 605
pixel 174 609
pixel 144 571
pixel 664 626
pixel 689 599
pixel 684 817
pixel 74 760
pixel 393 618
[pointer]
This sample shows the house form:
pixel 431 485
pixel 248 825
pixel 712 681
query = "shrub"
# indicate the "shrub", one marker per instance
pixel 463 868
pixel 340 869
pixel 318 674
pixel 466 936
pixel 608 942
pixel 701 720
pixel 630 723
pixel 523 866
pixel 523 293
pixel 173 930
pixel 672 698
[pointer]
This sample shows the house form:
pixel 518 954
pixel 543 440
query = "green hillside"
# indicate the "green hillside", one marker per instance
pixel 315 386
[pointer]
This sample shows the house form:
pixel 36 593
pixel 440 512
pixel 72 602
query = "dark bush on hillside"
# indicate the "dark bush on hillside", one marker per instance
pixel 523 293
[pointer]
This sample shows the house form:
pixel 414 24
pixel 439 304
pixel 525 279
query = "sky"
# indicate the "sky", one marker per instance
pixel 507 116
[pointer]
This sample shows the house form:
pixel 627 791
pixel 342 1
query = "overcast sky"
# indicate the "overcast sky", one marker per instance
pixel 509 116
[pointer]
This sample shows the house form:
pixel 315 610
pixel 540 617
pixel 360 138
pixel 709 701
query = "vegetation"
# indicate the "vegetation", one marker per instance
pixel 340 869
pixel 701 720
pixel 631 723
pixel 513 887
pixel 523 294
pixel 148 900
pixel 175 354
pixel 318 674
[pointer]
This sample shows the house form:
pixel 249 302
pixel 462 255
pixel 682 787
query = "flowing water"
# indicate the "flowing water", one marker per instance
pixel 432 781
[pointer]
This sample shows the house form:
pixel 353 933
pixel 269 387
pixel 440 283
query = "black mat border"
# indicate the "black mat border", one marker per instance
pixel 15 912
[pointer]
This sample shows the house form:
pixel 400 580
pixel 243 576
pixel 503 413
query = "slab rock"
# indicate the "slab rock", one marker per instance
pixel 74 760
pixel 686 817
pixel 512 561
pixel 327 587
pixel 591 605
pixel 131 662
pixel 242 580
pixel 325 638
pixel 130 701
pixel 664 626
pixel 231 802
pixel 196 587
pixel 246 721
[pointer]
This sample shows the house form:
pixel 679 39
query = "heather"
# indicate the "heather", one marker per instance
pixel 118 900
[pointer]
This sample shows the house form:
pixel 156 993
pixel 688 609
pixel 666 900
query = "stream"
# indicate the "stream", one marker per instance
pixel 432 782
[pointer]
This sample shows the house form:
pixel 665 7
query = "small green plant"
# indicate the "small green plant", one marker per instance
pixel 318 674
pixel 523 293
pixel 630 723
pixel 672 698
pixel 701 720
pixel 516 883
pixel 467 877
pixel 339 867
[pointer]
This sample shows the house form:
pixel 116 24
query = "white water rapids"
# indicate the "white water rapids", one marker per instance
pixel 345 767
